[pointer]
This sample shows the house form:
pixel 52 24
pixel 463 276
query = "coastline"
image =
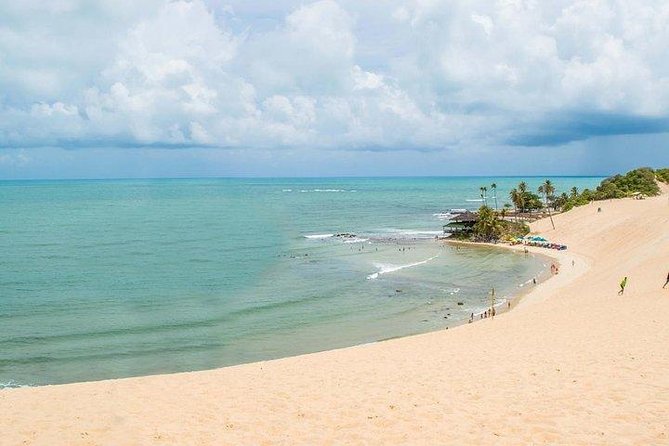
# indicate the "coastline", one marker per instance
pixel 560 368
pixel 518 297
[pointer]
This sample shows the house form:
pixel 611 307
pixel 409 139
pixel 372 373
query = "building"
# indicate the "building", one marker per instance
pixel 462 222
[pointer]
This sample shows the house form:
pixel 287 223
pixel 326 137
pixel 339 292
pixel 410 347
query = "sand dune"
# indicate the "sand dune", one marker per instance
pixel 574 363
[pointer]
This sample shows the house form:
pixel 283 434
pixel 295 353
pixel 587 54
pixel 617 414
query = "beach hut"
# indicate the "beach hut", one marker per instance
pixel 462 222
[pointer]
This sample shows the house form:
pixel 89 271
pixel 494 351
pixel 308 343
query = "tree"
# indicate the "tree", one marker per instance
pixel 523 198
pixel 515 199
pixel 561 201
pixel 505 209
pixel 574 192
pixel 532 202
pixel 548 190
pixel 493 186
pixel 484 196
pixel 487 227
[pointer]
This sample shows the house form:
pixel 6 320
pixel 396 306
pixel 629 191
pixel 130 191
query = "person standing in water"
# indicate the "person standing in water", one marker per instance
pixel 623 284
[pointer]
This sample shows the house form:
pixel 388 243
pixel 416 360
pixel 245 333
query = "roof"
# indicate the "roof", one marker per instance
pixel 465 217
pixel 457 224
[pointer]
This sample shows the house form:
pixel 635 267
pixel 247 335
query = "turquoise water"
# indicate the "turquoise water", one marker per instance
pixel 108 279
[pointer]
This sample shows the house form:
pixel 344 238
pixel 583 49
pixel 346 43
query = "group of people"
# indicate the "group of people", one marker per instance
pixel 491 312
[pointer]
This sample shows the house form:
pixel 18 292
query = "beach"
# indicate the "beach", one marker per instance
pixel 572 363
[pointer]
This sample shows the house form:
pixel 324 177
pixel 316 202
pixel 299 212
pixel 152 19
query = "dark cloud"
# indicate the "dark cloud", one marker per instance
pixel 567 127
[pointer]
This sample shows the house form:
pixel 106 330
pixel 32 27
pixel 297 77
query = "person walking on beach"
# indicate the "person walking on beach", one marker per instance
pixel 623 284
pixel 666 282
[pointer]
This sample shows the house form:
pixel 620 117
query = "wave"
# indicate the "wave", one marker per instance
pixel 325 190
pixel 385 269
pixel 449 214
pixel 286 190
pixel 11 385
pixel 395 234
pixel 475 200
pixel 408 232
pixel 318 236
pixel 356 240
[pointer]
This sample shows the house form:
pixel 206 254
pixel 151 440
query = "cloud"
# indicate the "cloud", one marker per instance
pixel 566 127
pixel 421 75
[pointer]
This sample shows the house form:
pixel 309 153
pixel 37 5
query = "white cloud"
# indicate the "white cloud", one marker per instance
pixel 423 74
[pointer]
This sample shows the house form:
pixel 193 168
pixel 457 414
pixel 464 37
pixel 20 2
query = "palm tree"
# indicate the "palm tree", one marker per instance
pixel 487 226
pixel 515 199
pixel 574 192
pixel 562 199
pixel 493 186
pixel 548 190
pixel 484 197
pixel 522 200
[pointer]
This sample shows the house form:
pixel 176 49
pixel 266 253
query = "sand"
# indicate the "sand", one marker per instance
pixel 574 363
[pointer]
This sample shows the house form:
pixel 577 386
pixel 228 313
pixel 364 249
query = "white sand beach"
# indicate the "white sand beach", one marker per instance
pixel 574 363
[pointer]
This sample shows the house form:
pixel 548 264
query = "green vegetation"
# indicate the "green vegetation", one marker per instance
pixel 493 226
pixel 489 228
pixel 662 175
pixel 523 200
pixel 548 191
pixel 640 180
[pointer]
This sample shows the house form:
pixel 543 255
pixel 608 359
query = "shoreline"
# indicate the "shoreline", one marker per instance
pixel 514 295
pixel 518 297
pixel 515 298
pixel 560 368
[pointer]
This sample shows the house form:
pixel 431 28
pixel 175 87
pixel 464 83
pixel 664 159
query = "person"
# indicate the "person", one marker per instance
pixel 623 284
pixel 667 282
pixel 573 263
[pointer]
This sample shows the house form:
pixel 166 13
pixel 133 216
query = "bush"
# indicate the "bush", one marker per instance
pixel 662 175
pixel 640 180
pixel 512 229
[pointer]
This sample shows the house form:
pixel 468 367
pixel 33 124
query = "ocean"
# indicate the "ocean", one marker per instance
pixel 115 278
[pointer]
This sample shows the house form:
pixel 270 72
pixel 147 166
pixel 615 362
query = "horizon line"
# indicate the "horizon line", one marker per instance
pixel 261 177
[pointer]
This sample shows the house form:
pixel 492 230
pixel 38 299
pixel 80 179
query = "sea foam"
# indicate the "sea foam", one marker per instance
pixel 385 268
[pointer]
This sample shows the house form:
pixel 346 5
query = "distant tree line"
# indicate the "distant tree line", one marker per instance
pixel 492 226
pixel 642 181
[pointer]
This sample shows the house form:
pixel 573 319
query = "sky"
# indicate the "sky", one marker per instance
pixel 157 88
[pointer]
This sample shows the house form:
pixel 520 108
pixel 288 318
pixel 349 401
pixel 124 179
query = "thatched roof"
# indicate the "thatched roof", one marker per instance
pixel 468 217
